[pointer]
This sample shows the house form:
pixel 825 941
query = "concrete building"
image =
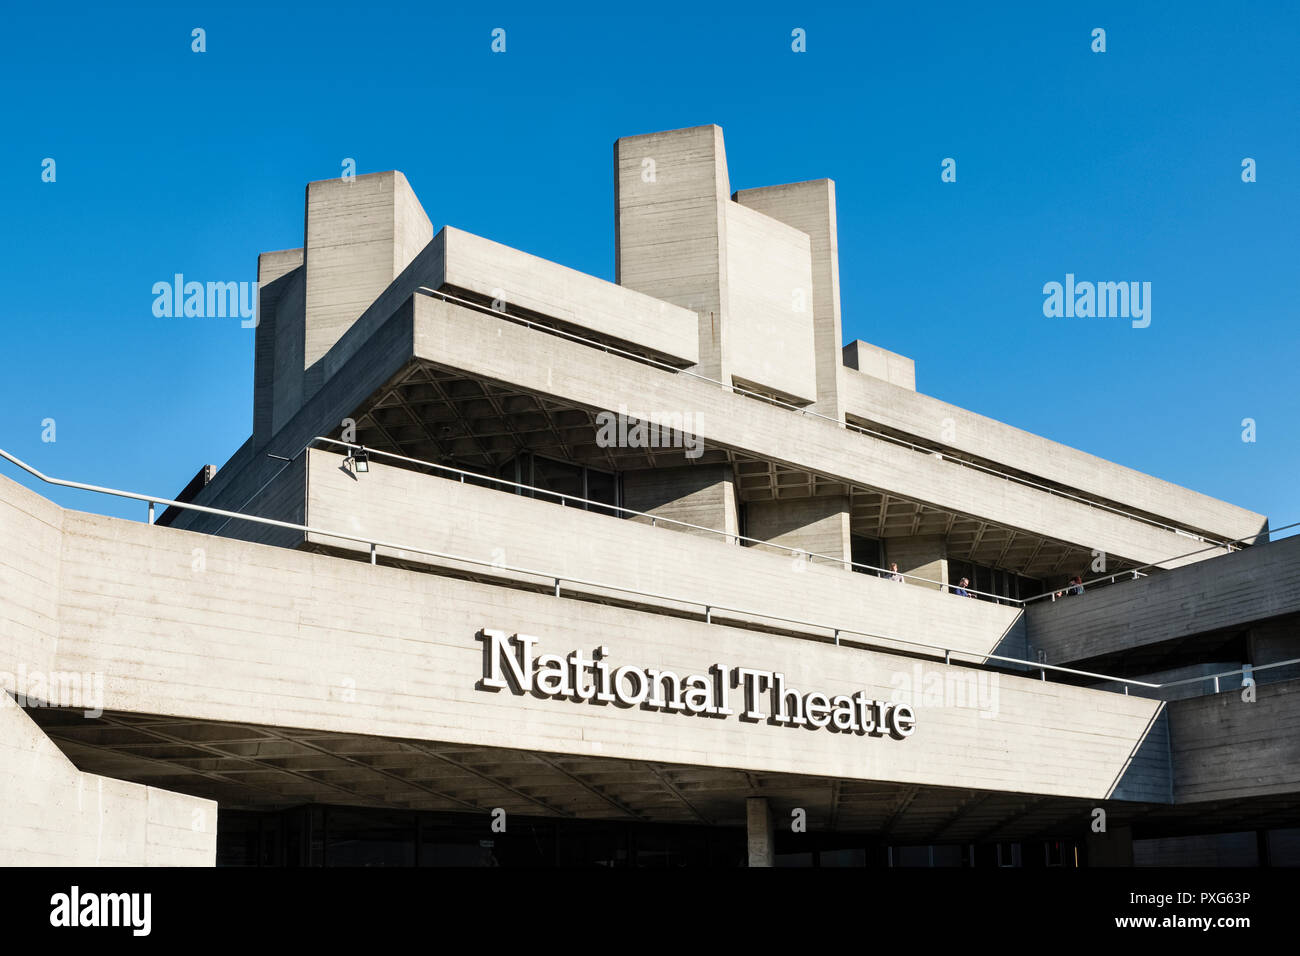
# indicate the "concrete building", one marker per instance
pixel 522 566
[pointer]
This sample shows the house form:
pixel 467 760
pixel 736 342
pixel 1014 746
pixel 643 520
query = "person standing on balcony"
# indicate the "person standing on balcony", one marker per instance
pixel 893 573
pixel 960 589
pixel 1074 586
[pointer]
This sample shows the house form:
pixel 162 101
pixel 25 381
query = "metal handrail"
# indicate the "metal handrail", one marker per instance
pixel 1137 572
pixel 654 519
pixel 557 580
pixel 1244 671
pixel 532 323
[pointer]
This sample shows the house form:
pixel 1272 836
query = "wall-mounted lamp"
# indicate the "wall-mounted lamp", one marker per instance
pixel 360 459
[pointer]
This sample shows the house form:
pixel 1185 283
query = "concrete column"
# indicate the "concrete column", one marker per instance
pixel 277 363
pixel 361 233
pixel 758 819
pixel 924 555
pixel 1112 848
pixel 670 196
pixel 749 276
pixel 703 495
pixel 815 525
pixel 810 208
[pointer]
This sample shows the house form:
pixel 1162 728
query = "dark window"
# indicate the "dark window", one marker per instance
pixel 557 476
pixel 603 487
pixel 866 551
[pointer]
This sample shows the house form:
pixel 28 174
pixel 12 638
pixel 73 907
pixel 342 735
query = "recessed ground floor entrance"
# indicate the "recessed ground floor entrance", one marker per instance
pixel 350 836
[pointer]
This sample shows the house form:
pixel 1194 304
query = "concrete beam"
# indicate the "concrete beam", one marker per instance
pixel 1229 747
pixel 584 303
pixel 880 363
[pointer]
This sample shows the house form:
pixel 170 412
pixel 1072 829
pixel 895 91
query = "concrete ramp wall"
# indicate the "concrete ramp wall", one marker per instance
pixel 52 814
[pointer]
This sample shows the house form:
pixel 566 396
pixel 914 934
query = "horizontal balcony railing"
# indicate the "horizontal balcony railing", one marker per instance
pixel 1246 673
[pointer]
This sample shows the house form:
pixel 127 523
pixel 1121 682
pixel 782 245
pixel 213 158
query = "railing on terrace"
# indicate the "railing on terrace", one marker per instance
pixel 557 581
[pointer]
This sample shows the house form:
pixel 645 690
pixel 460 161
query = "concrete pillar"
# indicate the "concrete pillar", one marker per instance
pixel 810 208
pixel 817 525
pixel 670 240
pixel 277 362
pixel 361 233
pixel 703 495
pixel 749 276
pixel 758 820
pixel 1112 848
pixel 924 555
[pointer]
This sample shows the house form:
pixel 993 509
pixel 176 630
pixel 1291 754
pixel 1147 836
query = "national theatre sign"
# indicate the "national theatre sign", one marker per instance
pixel 509 663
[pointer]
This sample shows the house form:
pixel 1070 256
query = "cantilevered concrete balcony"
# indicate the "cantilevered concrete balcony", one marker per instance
pixel 260 636
pixel 880 405
pixel 463 385
pixel 460 345
pixel 787 591
pixel 478 269
pixel 265 677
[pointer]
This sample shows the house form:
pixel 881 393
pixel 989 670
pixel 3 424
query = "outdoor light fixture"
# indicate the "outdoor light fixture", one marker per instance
pixel 360 459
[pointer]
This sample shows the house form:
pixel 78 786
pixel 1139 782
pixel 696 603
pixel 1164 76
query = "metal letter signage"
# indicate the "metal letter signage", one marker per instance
pixel 509 664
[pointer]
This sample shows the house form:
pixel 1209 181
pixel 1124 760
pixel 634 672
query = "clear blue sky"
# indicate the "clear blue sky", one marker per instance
pixel 1117 166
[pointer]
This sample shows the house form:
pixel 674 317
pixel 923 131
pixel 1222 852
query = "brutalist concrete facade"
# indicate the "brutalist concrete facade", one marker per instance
pixel 689 475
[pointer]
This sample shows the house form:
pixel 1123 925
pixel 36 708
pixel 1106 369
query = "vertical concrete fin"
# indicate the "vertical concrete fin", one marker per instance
pixel 279 331
pixel 360 234
pixel 670 225
pixel 810 208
